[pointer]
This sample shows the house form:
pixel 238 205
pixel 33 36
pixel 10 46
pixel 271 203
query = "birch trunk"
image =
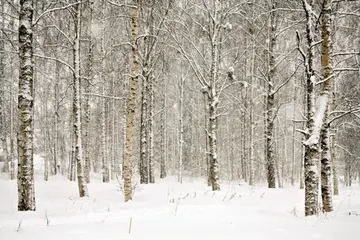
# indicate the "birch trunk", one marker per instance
pixel 87 167
pixel 12 140
pixel 326 60
pixel 2 93
pixel 163 134
pixel 104 155
pixel 213 99
pixel 334 166
pixel 293 165
pixel 181 129
pixel 311 155
pixel 144 172
pixel 131 101
pixel 46 132
pixel 252 120
pixel 207 158
pixel 56 120
pixel 151 131
pixel 270 144
pixel 26 190
pixel 83 192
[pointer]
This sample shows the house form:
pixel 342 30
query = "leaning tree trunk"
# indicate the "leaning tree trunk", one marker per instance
pixel 326 60
pixel 131 105
pixel 26 190
pixel 83 192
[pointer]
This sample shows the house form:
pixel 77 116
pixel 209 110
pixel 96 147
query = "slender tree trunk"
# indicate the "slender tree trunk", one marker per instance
pixel 46 156
pixel 114 159
pixel 56 120
pixel 131 101
pixel 252 120
pixel 87 167
pixel 311 155
pixel 144 172
pixel 151 131
pixel 83 192
pixel 270 144
pixel 26 190
pixel 12 140
pixel 326 60
pixel 207 159
pixel 213 100
pixel 181 129
pixel 293 165
pixel 334 165
pixel 163 133
pixel 2 92
pixel 104 155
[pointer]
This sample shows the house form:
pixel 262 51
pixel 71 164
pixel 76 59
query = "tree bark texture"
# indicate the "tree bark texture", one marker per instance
pixel 26 189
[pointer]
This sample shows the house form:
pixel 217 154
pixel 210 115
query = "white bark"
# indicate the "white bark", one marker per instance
pixel 83 192
pixel 26 189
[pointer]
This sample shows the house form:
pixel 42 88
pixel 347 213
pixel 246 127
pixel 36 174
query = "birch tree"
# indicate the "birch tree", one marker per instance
pixel 131 105
pixel 26 189
pixel 311 152
pixel 327 77
pixel 83 192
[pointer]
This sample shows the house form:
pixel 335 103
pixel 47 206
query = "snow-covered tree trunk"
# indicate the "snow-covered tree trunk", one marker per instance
pixel 327 76
pixel 104 155
pixel 144 171
pixel 26 190
pixel 46 132
pixel 114 160
pixel 311 155
pixel 151 131
pixel 213 98
pixel 56 120
pixel 163 132
pixel 270 104
pixel 2 85
pixel 252 116
pixel 293 164
pixel 212 135
pixel 334 166
pixel 207 157
pixel 12 140
pixel 87 89
pixel 83 192
pixel 131 104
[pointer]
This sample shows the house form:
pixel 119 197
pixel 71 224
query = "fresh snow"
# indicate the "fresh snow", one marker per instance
pixel 318 120
pixel 168 210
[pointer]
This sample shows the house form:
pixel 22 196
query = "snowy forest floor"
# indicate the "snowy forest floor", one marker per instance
pixel 168 210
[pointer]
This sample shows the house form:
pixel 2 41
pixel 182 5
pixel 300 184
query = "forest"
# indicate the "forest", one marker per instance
pixel 132 92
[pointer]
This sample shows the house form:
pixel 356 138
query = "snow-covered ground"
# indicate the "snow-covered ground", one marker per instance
pixel 168 210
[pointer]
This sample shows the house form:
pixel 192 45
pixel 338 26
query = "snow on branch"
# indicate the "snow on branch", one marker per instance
pixel 56 60
pixel 122 5
pixel 54 10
